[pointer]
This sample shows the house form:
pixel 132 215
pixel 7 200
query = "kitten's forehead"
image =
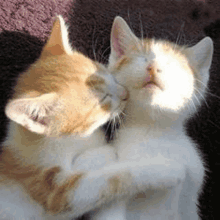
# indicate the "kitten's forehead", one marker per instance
pixel 162 47
pixel 55 73
pixel 155 52
pixel 165 52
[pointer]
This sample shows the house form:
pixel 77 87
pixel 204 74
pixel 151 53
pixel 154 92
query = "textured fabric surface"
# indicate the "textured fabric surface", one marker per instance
pixel 31 16
pixel 26 24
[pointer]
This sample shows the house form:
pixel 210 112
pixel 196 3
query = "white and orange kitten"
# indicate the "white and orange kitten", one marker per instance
pixel 164 168
pixel 57 106
pixel 165 82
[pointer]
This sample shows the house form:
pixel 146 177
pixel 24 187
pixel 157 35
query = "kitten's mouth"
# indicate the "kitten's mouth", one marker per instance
pixel 151 85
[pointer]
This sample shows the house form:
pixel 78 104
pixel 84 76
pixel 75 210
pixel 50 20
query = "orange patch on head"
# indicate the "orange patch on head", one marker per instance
pixel 94 80
pixel 76 124
pixel 122 62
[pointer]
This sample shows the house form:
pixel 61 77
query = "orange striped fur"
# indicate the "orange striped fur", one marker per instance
pixel 39 182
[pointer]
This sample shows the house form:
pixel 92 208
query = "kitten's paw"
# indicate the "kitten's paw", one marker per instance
pixel 171 175
pixel 119 183
pixel 98 188
pixel 157 174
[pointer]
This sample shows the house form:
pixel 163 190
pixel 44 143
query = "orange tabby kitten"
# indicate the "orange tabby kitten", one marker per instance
pixel 58 104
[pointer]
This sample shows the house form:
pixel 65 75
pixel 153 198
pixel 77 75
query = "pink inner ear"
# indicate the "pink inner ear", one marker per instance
pixel 44 121
pixel 116 41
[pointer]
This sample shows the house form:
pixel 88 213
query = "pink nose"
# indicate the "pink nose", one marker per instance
pixel 150 73
pixel 124 95
pixel 150 69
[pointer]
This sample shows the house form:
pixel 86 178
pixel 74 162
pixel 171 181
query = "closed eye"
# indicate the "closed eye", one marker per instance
pixel 105 97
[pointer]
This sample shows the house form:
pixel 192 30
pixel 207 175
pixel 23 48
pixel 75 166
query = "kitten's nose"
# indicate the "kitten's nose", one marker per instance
pixel 150 73
pixel 124 94
pixel 151 70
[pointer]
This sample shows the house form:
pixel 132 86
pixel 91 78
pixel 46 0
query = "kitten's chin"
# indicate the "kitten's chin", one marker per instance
pixel 148 94
pixel 155 107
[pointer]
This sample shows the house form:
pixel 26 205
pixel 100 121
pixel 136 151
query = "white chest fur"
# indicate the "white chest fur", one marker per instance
pixel 163 147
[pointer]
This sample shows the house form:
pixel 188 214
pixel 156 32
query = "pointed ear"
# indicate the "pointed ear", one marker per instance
pixel 201 55
pixel 33 113
pixel 122 38
pixel 58 42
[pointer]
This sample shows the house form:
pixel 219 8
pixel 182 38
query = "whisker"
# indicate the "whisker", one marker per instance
pixel 104 53
pixel 179 35
pixel 93 49
pixel 192 42
pixel 213 95
pixel 195 109
pixel 102 58
pixel 201 82
pixel 129 19
pixel 109 123
pixel 197 99
pixel 191 108
pixel 202 97
pixel 124 114
pixel 142 33
pixel 214 124
pixel 112 129
pixel 207 89
pixel 127 117
pixel 138 44
pixel 121 121
pixel 115 129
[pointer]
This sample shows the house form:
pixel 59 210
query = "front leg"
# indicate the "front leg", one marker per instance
pixel 114 211
pixel 124 179
pixel 72 194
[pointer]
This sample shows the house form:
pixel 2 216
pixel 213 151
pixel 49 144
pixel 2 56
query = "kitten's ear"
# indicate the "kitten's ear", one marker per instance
pixel 58 42
pixel 33 113
pixel 122 38
pixel 201 54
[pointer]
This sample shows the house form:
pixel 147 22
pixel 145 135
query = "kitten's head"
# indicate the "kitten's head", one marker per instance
pixel 64 92
pixel 159 74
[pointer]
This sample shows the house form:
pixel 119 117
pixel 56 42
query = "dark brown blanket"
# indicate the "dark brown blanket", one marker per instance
pixel 25 26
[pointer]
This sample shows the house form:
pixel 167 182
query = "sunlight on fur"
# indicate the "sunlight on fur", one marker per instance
pixel 166 83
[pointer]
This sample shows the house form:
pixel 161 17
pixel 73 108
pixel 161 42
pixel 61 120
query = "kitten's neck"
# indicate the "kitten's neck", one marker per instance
pixel 138 115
